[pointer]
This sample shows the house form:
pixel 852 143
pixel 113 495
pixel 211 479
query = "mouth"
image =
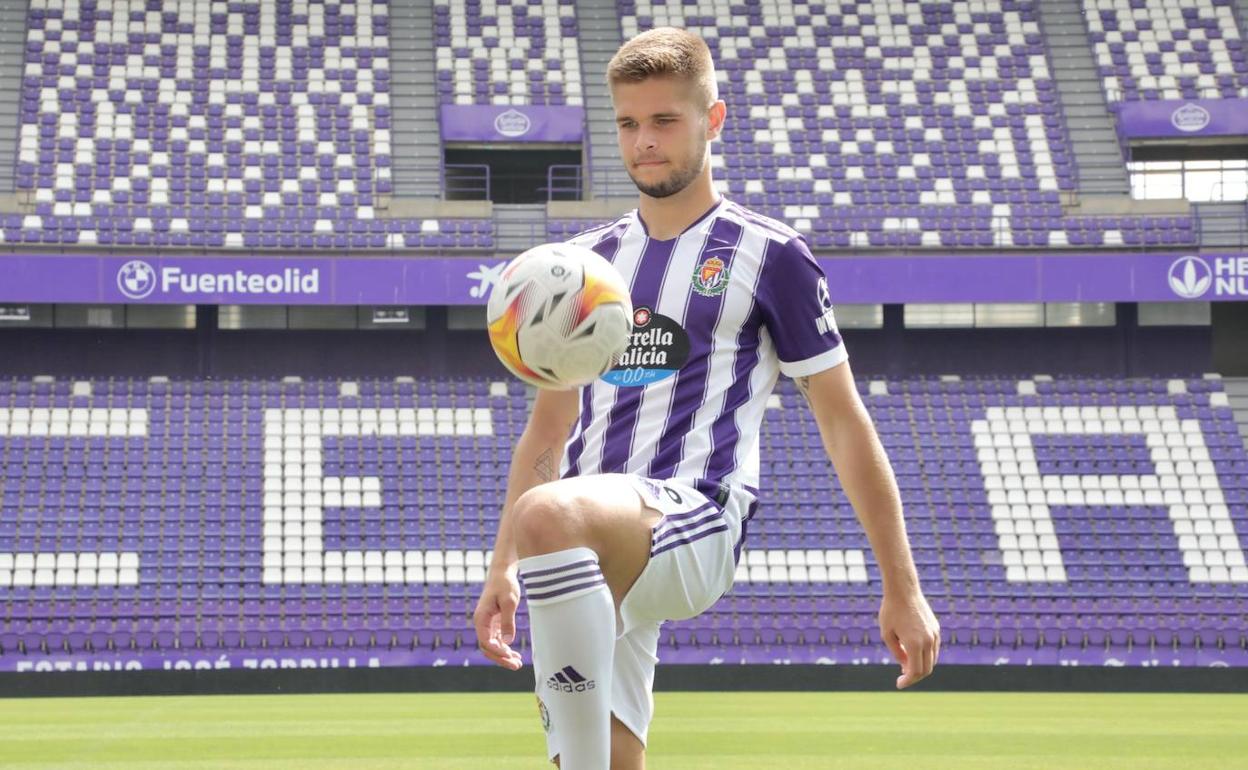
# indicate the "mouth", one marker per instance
pixel 650 163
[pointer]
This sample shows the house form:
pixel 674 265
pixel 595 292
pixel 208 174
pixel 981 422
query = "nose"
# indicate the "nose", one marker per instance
pixel 645 140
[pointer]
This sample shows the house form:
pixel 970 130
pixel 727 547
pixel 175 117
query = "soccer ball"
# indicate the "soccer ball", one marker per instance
pixel 560 316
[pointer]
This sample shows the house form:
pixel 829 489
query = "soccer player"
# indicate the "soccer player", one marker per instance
pixel 628 501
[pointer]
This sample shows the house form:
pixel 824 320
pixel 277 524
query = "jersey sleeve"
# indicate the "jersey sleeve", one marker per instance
pixel 797 310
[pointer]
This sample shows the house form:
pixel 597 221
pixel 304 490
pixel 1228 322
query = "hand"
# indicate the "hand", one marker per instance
pixel 495 617
pixel 911 632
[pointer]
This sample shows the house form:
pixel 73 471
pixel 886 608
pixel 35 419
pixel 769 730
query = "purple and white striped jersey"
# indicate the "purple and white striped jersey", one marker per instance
pixel 719 312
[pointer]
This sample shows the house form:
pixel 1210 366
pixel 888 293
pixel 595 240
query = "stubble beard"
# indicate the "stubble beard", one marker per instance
pixel 680 178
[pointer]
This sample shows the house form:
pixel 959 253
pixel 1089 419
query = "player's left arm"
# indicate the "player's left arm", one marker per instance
pixel 907 623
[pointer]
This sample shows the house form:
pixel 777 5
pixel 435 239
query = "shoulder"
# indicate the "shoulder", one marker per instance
pixel 776 248
pixel 593 236
pixel 773 231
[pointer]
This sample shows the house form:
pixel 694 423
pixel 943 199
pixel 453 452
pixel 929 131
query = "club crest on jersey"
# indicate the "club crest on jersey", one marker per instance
pixel 711 277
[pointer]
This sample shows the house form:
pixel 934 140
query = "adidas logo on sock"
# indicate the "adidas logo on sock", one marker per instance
pixel 569 679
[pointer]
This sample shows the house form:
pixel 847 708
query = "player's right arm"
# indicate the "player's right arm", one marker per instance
pixel 535 460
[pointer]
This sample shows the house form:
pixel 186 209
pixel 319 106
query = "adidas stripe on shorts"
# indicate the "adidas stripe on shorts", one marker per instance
pixel 693 553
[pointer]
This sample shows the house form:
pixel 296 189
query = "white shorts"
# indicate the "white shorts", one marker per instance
pixel 692 563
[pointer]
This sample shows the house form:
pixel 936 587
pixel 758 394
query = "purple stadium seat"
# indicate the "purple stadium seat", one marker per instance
pixel 193 553
pixel 119 168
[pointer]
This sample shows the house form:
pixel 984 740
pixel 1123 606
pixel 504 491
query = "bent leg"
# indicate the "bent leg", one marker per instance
pixel 582 544
pixel 602 513
pixel 690 564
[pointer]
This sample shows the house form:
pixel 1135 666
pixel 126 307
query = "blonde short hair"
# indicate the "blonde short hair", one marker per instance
pixel 666 52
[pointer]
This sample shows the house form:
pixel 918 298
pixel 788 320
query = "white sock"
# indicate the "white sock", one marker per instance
pixel 572 625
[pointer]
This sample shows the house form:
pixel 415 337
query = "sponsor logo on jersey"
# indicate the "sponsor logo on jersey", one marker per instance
pixel 826 321
pixel 711 277
pixel 656 350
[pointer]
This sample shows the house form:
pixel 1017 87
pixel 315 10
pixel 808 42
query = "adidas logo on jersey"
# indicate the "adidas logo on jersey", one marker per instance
pixel 569 680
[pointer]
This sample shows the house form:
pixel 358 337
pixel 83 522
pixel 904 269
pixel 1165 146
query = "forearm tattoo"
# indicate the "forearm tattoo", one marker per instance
pixel 545 466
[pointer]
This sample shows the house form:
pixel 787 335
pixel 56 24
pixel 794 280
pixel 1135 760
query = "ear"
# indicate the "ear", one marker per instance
pixel 715 119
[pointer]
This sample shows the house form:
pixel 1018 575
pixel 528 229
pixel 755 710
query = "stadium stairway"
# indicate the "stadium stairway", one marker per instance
pixel 1241 11
pixel 417 135
pixel 1223 224
pixel 1237 396
pixel 12 51
pixel 600 38
pixel 1094 142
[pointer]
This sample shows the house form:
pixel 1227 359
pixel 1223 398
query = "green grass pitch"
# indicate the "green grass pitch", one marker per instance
pixel 706 731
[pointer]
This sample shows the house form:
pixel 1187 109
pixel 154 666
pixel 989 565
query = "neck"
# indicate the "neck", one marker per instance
pixel 666 218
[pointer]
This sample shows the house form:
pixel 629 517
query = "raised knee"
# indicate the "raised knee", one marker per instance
pixel 546 519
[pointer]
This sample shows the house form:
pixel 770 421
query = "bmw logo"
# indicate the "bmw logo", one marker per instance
pixel 136 279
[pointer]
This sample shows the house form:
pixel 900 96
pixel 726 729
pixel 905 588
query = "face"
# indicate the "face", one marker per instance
pixel 663 133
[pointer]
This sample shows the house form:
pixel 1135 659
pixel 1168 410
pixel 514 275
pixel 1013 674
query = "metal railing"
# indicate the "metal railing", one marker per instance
pixel 1119 95
pixel 1241 224
pixel 594 184
pixel 466 181
pixel 563 182
pixel 516 237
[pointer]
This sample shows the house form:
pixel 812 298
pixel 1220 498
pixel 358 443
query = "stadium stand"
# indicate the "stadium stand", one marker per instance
pixel 1083 521
pixel 240 125
pixel 1069 519
pixel 897 125
pixel 507 52
pixel 910 125
pixel 1167 49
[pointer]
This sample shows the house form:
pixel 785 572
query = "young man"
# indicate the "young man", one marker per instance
pixel 628 501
